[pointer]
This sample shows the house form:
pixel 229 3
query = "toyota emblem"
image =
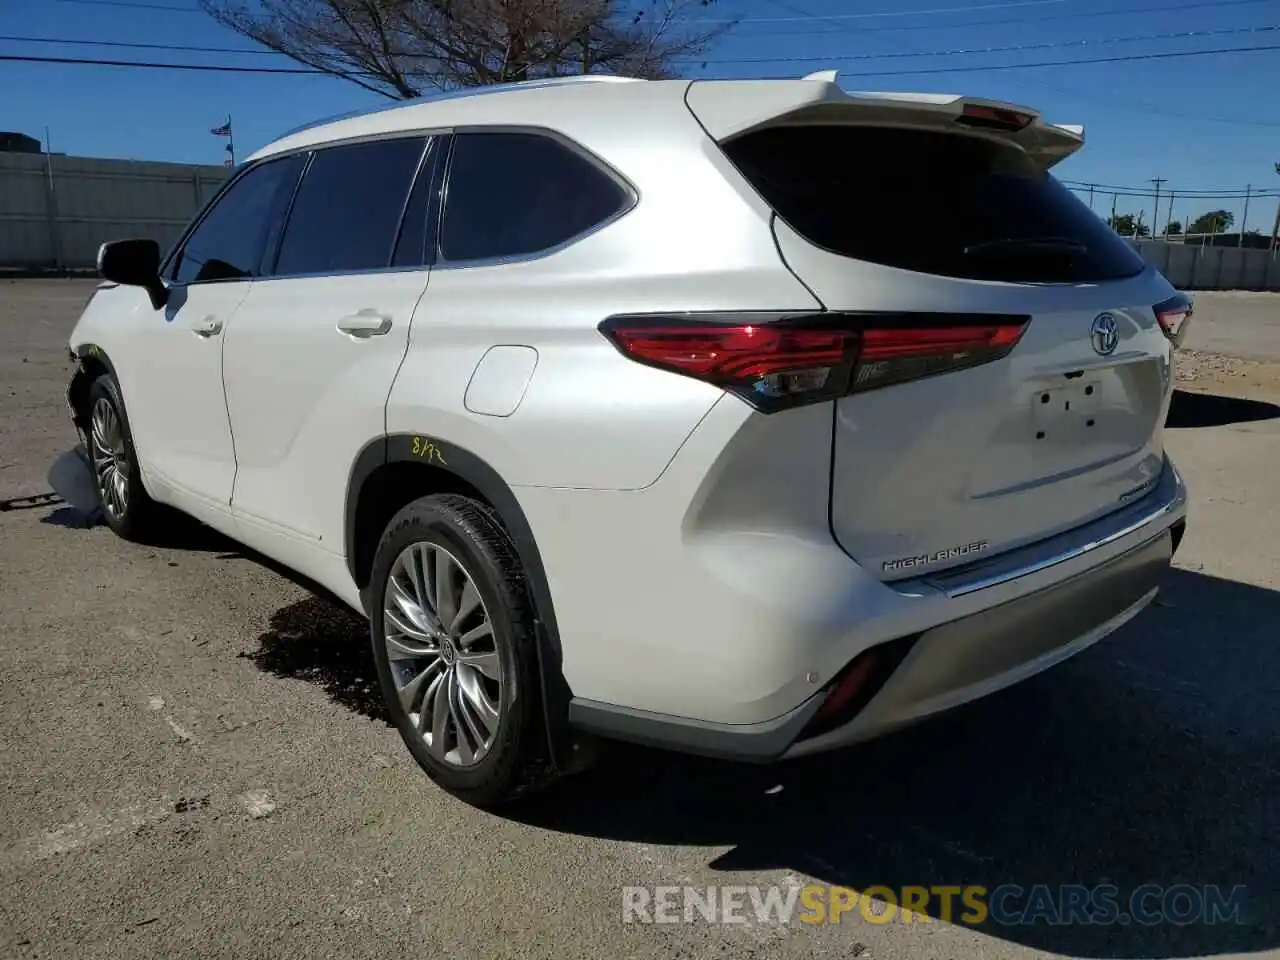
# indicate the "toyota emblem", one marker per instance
pixel 1105 334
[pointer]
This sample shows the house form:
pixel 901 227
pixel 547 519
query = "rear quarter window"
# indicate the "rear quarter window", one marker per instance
pixel 947 204
pixel 516 194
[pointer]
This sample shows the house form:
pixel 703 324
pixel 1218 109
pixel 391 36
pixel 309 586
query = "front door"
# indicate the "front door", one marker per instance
pixel 179 403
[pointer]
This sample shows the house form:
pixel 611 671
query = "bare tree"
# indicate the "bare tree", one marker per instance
pixel 401 48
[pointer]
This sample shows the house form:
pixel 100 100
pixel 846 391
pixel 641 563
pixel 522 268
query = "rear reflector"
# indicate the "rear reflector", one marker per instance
pixel 856 685
pixel 1172 315
pixel 993 118
pixel 778 361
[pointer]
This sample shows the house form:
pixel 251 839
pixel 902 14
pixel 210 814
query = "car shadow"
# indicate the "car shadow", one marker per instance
pixel 70 518
pixel 1149 759
pixel 1188 410
pixel 323 642
pixel 172 531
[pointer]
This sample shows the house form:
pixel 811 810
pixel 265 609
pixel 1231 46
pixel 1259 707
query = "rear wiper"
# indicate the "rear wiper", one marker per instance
pixel 1028 244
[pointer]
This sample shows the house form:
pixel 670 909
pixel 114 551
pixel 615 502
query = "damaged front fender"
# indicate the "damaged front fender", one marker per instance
pixel 91 363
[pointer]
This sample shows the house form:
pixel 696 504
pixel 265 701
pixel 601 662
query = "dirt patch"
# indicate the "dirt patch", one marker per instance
pixel 1203 372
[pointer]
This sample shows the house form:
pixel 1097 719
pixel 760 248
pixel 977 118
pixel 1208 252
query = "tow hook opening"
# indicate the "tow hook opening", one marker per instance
pixel 856 685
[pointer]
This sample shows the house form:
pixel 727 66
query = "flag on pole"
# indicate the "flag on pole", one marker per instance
pixel 222 131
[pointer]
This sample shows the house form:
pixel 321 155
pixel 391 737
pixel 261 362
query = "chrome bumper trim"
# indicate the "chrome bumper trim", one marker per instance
pixel 970 579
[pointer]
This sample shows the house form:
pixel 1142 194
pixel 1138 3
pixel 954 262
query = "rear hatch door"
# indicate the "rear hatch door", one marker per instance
pixel 895 211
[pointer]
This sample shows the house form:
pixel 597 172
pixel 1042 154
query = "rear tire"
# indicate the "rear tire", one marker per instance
pixel 126 506
pixel 454 644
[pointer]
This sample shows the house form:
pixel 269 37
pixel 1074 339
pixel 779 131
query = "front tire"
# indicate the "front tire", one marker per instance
pixel 126 507
pixel 455 649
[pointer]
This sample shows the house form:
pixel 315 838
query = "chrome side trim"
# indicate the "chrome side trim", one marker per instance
pixel 958 583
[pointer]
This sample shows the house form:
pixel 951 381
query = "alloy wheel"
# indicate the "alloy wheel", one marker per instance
pixel 442 653
pixel 110 460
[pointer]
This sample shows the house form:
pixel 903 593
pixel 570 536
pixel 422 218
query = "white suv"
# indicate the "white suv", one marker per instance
pixel 745 418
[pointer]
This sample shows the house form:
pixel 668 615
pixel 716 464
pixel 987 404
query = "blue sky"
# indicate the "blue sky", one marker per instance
pixel 1198 122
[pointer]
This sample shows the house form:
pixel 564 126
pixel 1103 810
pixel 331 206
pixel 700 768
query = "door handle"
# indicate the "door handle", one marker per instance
pixel 365 323
pixel 210 326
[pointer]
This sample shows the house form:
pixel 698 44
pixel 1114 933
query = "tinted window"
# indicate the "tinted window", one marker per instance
pixel 411 248
pixel 512 194
pixel 931 202
pixel 227 244
pixel 347 211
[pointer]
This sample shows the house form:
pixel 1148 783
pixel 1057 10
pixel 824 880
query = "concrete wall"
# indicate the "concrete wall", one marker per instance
pixel 1194 267
pixel 55 211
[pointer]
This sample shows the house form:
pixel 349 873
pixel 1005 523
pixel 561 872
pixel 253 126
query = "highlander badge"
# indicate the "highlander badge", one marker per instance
pixel 924 559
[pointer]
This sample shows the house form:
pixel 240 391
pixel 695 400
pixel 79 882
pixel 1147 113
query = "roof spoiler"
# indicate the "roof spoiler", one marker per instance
pixel 731 108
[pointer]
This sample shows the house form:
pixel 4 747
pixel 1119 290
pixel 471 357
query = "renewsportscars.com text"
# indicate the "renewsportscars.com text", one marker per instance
pixel 971 905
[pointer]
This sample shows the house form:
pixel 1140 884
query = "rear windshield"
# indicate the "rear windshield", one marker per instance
pixel 938 203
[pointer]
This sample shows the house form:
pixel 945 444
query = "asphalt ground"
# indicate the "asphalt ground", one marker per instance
pixel 194 761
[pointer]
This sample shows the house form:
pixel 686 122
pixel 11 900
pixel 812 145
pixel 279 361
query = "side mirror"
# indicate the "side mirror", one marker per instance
pixel 134 263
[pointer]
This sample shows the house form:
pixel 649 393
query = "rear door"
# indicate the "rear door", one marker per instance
pixel 950 224
pixel 316 345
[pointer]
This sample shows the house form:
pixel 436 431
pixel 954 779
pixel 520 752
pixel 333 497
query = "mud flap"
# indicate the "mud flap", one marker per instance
pixel 71 478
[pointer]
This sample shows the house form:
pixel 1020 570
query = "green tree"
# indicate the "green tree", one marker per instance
pixel 1215 221
pixel 1128 225
pixel 1174 228
pixel 403 48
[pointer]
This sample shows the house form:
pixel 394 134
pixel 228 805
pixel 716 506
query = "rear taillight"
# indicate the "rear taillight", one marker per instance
pixel 1172 315
pixel 779 361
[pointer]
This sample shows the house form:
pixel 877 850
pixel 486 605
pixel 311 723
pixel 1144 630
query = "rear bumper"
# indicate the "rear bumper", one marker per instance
pixel 970 658
pixel 1025 613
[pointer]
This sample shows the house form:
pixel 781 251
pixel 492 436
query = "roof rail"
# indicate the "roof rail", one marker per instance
pixel 463 92
pixel 577 78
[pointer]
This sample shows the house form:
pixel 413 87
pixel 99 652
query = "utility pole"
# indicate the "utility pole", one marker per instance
pixel 1275 231
pixel 1113 207
pixel 1155 214
pixel 1244 221
pixel 1091 196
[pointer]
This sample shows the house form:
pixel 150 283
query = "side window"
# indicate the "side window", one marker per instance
pixel 411 247
pixel 347 211
pixel 515 194
pixel 227 244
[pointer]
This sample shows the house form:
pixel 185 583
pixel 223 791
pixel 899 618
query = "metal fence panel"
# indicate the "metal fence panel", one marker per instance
pixel 55 211
pixel 1190 266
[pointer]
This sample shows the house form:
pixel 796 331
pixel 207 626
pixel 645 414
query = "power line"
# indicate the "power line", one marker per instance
pixel 805 18
pixel 1037 19
pixel 208 67
pixel 979 68
pixel 134 4
pixel 1180 196
pixel 1182 35
pixel 827 27
pixel 1190 193
pixel 177 48
pixel 801 18
pixel 1131 105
